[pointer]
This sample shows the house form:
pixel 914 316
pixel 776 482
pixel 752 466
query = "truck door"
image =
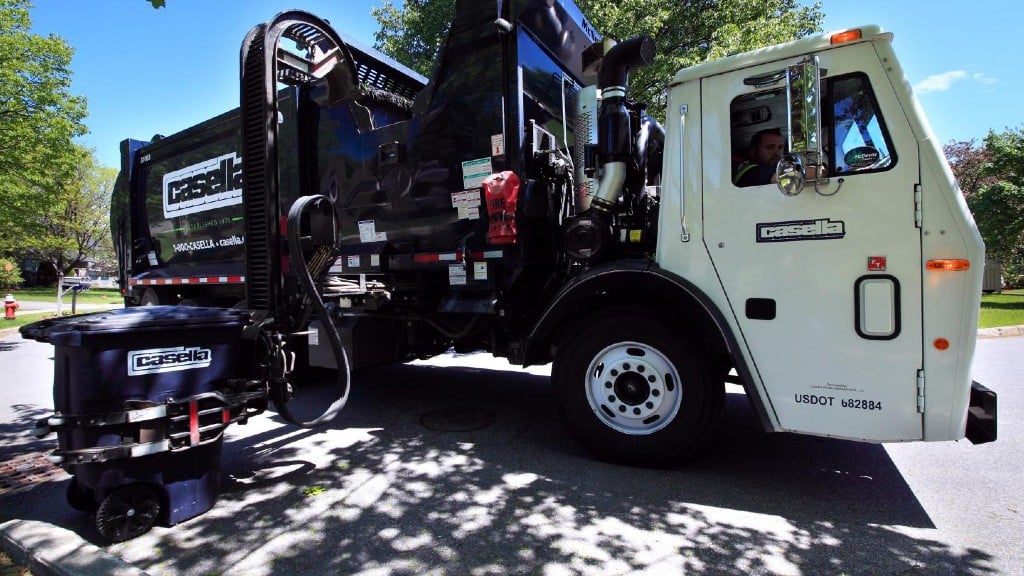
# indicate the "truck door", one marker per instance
pixel 825 286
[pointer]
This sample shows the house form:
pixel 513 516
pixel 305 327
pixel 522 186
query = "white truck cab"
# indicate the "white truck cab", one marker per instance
pixel 851 278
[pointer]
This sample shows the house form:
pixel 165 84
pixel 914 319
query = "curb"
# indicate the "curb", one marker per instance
pixel 50 550
pixel 1001 332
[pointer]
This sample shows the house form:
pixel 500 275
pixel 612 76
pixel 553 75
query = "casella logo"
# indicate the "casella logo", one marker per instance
pixel 796 230
pixel 213 183
pixel 158 360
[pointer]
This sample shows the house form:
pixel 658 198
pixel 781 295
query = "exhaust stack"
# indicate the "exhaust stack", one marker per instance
pixel 588 235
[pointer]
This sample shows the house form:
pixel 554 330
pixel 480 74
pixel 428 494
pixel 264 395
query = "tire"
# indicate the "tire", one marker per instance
pixel 632 390
pixel 149 298
pixel 128 512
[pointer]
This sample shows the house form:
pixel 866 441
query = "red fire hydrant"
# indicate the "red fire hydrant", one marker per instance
pixel 10 305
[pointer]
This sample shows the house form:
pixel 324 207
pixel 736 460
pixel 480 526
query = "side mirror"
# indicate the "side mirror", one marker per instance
pixel 803 100
pixel 790 175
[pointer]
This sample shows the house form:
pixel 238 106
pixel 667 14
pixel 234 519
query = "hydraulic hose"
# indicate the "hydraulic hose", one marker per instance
pixel 301 269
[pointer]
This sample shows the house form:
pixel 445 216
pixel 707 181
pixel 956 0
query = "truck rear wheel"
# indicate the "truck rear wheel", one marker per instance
pixel 632 389
pixel 149 298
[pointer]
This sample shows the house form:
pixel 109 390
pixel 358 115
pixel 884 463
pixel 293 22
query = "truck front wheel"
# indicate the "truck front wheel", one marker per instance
pixel 632 389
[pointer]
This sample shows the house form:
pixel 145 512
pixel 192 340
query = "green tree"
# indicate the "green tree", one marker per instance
pixel 75 227
pixel 969 159
pixel 686 31
pixel 998 205
pixel 39 118
pixel 10 274
pixel 412 32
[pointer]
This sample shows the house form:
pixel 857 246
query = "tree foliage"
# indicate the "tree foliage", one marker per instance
pixel 992 178
pixel 75 227
pixel 686 31
pixel 10 274
pixel 39 118
pixel 412 32
pixel 968 160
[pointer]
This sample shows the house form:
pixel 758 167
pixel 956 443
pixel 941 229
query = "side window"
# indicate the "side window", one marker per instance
pixel 854 134
pixel 757 123
pixel 861 141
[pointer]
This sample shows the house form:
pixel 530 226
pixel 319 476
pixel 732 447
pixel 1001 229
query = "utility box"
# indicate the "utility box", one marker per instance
pixel 142 397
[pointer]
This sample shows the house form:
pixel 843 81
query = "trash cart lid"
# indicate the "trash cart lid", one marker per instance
pixel 142 318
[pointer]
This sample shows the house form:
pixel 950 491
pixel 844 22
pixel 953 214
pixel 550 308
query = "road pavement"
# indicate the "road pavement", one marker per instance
pixel 387 490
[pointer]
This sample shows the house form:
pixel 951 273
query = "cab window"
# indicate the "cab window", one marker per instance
pixel 854 135
pixel 759 132
pixel 862 143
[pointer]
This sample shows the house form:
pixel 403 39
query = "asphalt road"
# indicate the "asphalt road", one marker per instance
pixel 383 491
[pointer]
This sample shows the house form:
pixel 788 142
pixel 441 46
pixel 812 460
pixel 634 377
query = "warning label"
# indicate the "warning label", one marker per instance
pixel 457 274
pixel 474 172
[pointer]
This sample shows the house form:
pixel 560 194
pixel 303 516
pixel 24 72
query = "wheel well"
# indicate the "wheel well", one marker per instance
pixel 648 291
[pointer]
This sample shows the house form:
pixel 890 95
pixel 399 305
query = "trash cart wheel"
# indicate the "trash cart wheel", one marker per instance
pixel 128 512
pixel 79 498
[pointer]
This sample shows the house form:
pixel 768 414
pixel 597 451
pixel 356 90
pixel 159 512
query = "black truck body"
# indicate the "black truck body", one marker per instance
pixel 465 209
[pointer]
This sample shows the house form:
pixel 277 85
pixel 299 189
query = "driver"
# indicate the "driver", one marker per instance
pixel 766 149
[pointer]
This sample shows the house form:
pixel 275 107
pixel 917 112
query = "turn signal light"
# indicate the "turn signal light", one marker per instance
pixel 948 265
pixel 845 36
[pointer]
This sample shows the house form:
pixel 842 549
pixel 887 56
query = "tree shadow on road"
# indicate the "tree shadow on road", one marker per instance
pixel 379 492
pixel 8 344
pixel 16 434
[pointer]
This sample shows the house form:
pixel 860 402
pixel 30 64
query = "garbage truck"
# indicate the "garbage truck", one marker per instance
pixel 522 201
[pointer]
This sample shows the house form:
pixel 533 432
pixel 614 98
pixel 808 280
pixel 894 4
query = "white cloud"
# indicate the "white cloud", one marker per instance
pixel 939 82
pixel 983 78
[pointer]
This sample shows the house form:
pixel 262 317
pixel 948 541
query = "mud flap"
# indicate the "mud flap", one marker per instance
pixel 981 415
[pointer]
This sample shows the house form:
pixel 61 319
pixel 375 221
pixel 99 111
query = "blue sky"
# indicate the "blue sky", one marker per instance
pixel 147 71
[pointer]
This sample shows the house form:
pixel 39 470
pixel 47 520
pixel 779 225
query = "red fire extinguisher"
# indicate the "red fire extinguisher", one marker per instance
pixel 501 192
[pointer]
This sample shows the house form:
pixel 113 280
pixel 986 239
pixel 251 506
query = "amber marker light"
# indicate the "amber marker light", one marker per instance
pixel 845 36
pixel 948 265
pixel 941 344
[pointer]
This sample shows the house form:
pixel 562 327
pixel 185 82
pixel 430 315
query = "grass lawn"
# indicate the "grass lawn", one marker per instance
pixel 1006 309
pixel 23 318
pixel 91 296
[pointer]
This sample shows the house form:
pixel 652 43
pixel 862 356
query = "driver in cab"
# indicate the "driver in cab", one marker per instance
pixel 766 148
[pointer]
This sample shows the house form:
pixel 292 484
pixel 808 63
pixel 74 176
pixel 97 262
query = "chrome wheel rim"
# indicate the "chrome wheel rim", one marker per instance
pixel 633 388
